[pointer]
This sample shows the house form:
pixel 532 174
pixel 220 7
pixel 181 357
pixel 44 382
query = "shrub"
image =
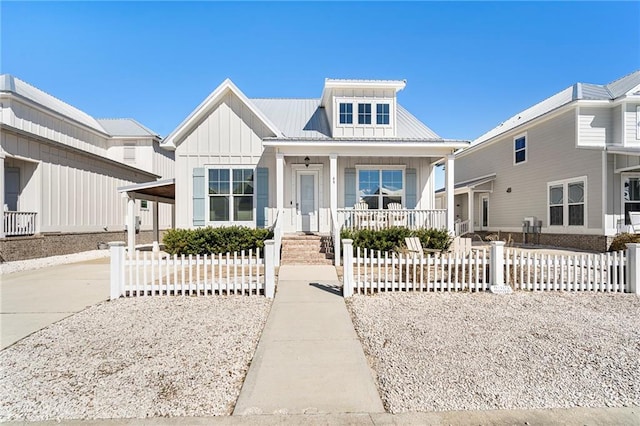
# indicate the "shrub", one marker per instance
pixel 620 241
pixel 393 238
pixel 214 240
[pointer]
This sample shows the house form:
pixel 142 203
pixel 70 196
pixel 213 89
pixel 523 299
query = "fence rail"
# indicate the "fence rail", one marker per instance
pixel 367 272
pixel 153 274
pixel 19 223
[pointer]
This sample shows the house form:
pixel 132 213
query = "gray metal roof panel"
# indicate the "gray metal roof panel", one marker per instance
pixel 125 127
pixel 622 85
pixel 9 83
pixel 594 92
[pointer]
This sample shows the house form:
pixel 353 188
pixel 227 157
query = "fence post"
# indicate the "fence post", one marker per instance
pixel 347 270
pixel 633 268
pixel 116 273
pixel 269 269
pixel 496 269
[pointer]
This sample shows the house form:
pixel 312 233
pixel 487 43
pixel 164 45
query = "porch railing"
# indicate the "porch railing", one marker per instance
pixel 461 227
pixel 19 223
pixel 381 219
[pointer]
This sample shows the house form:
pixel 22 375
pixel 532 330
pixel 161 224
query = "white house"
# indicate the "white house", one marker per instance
pixel 304 163
pixel 60 172
pixel 570 163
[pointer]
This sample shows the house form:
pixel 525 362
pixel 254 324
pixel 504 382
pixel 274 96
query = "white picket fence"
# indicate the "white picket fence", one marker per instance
pixel 154 274
pixel 367 271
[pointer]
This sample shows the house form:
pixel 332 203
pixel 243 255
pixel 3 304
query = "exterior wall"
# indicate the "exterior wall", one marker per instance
pixel 595 126
pixel 22 248
pixel 52 126
pixel 632 125
pixel 551 156
pixel 230 135
pixel 616 126
pixel 596 243
pixel 71 191
pixel 356 130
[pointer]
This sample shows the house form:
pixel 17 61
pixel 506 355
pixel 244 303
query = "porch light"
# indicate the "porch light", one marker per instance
pixel 306 161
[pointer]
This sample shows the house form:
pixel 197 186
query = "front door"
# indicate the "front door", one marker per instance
pixel 307 205
pixel 11 188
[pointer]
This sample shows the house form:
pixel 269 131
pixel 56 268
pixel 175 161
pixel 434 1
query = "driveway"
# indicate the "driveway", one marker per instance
pixel 31 300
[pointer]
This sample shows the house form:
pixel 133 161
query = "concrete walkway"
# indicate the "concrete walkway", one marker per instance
pixel 31 300
pixel 309 359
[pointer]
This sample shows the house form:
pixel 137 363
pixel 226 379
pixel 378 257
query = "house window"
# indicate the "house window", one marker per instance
pixel 346 113
pixel 129 153
pixel 382 114
pixel 379 187
pixel 364 113
pixel 520 149
pixel 144 205
pixel 231 195
pixel 567 203
pixel 631 196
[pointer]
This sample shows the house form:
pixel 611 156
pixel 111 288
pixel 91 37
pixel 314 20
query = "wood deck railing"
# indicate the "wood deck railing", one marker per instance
pixel 381 219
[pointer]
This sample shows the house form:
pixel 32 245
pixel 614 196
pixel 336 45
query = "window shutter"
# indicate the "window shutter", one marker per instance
pixel 262 196
pixel 349 187
pixel 198 197
pixel 129 153
pixel 412 188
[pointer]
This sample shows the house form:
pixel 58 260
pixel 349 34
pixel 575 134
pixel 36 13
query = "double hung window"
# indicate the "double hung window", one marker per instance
pixel 520 149
pixel 567 203
pixel 379 187
pixel 230 195
pixel 631 196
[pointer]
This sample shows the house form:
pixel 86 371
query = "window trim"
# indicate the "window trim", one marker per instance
pixel 388 113
pixel 400 167
pixel 565 202
pixel 374 102
pixel 340 113
pixel 623 177
pixel 207 196
pixel 526 148
pixel 144 208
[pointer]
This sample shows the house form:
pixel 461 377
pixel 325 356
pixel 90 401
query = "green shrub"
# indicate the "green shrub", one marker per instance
pixel 620 241
pixel 393 238
pixel 214 240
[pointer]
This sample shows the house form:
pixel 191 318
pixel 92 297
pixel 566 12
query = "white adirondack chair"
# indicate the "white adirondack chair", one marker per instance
pixel 634 217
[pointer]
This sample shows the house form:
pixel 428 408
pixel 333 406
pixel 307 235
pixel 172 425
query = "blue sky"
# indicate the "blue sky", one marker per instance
pixel 468 66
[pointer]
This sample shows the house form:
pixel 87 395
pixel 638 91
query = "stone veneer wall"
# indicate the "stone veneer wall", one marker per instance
pixel 599 243
pixel 43 245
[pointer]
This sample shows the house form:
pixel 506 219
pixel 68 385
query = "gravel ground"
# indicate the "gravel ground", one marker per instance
pixel 25 265
pixel 135 358
pixel 461 351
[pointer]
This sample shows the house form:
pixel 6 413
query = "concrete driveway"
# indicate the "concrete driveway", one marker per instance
pixel 31 300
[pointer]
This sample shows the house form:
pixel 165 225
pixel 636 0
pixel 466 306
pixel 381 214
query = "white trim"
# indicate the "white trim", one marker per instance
pixel 637 122
pixel 401 167
pixel 230 222
pixel 565 203
pixel 623 177
pixel 526 148
pixel 315 167
pixel 481 217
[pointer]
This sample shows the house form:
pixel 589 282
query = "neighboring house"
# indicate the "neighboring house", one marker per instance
pixel 571 162
pixel 60 172
pixel 306 162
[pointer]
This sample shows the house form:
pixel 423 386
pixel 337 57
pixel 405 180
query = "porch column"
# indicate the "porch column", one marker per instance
pixel 470 210
pixel 279 183
pixel 2 192
pixel 156 231
pixel 131 225
pixel 333 182
pixel 450 194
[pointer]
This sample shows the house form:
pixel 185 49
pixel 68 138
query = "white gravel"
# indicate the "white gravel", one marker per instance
pixel 449 351
pixel 25 265
pixel 135 358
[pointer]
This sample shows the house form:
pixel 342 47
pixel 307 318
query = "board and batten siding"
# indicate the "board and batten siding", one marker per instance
pixel 551 156
pixel 71 191
pixel 53 127
pixel 230 135
pixel 632 125
pixel 595 126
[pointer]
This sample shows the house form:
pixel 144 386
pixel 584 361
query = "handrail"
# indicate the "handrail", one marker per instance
pixel 19 223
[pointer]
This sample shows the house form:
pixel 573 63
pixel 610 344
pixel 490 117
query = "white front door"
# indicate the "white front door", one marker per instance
pixel 11 187
pixel 307 204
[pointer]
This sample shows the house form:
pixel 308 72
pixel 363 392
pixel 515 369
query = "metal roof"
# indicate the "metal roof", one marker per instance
pixel 125 127
pixel 578 91
pixel 306 119
pixel 9 83
pixel 165 188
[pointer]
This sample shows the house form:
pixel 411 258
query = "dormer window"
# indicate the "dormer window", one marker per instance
pixel 382 114
pixel 346 113
pixel 364 113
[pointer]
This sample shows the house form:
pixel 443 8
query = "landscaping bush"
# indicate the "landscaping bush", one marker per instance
pixel 393 238
pixel 214 240
pixel 620 241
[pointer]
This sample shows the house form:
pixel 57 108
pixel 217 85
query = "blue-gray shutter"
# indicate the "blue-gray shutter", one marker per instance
pixel 349 187
pixel 198 196
pixel 411 192
pixel 262 196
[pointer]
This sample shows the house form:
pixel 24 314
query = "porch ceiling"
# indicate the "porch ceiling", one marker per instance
pixel 162 191
pixel 366 148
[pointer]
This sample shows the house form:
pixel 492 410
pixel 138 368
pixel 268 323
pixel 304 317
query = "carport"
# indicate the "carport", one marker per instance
pixel 161 191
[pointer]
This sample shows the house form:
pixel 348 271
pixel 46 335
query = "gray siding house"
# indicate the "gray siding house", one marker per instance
pixel 570 162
